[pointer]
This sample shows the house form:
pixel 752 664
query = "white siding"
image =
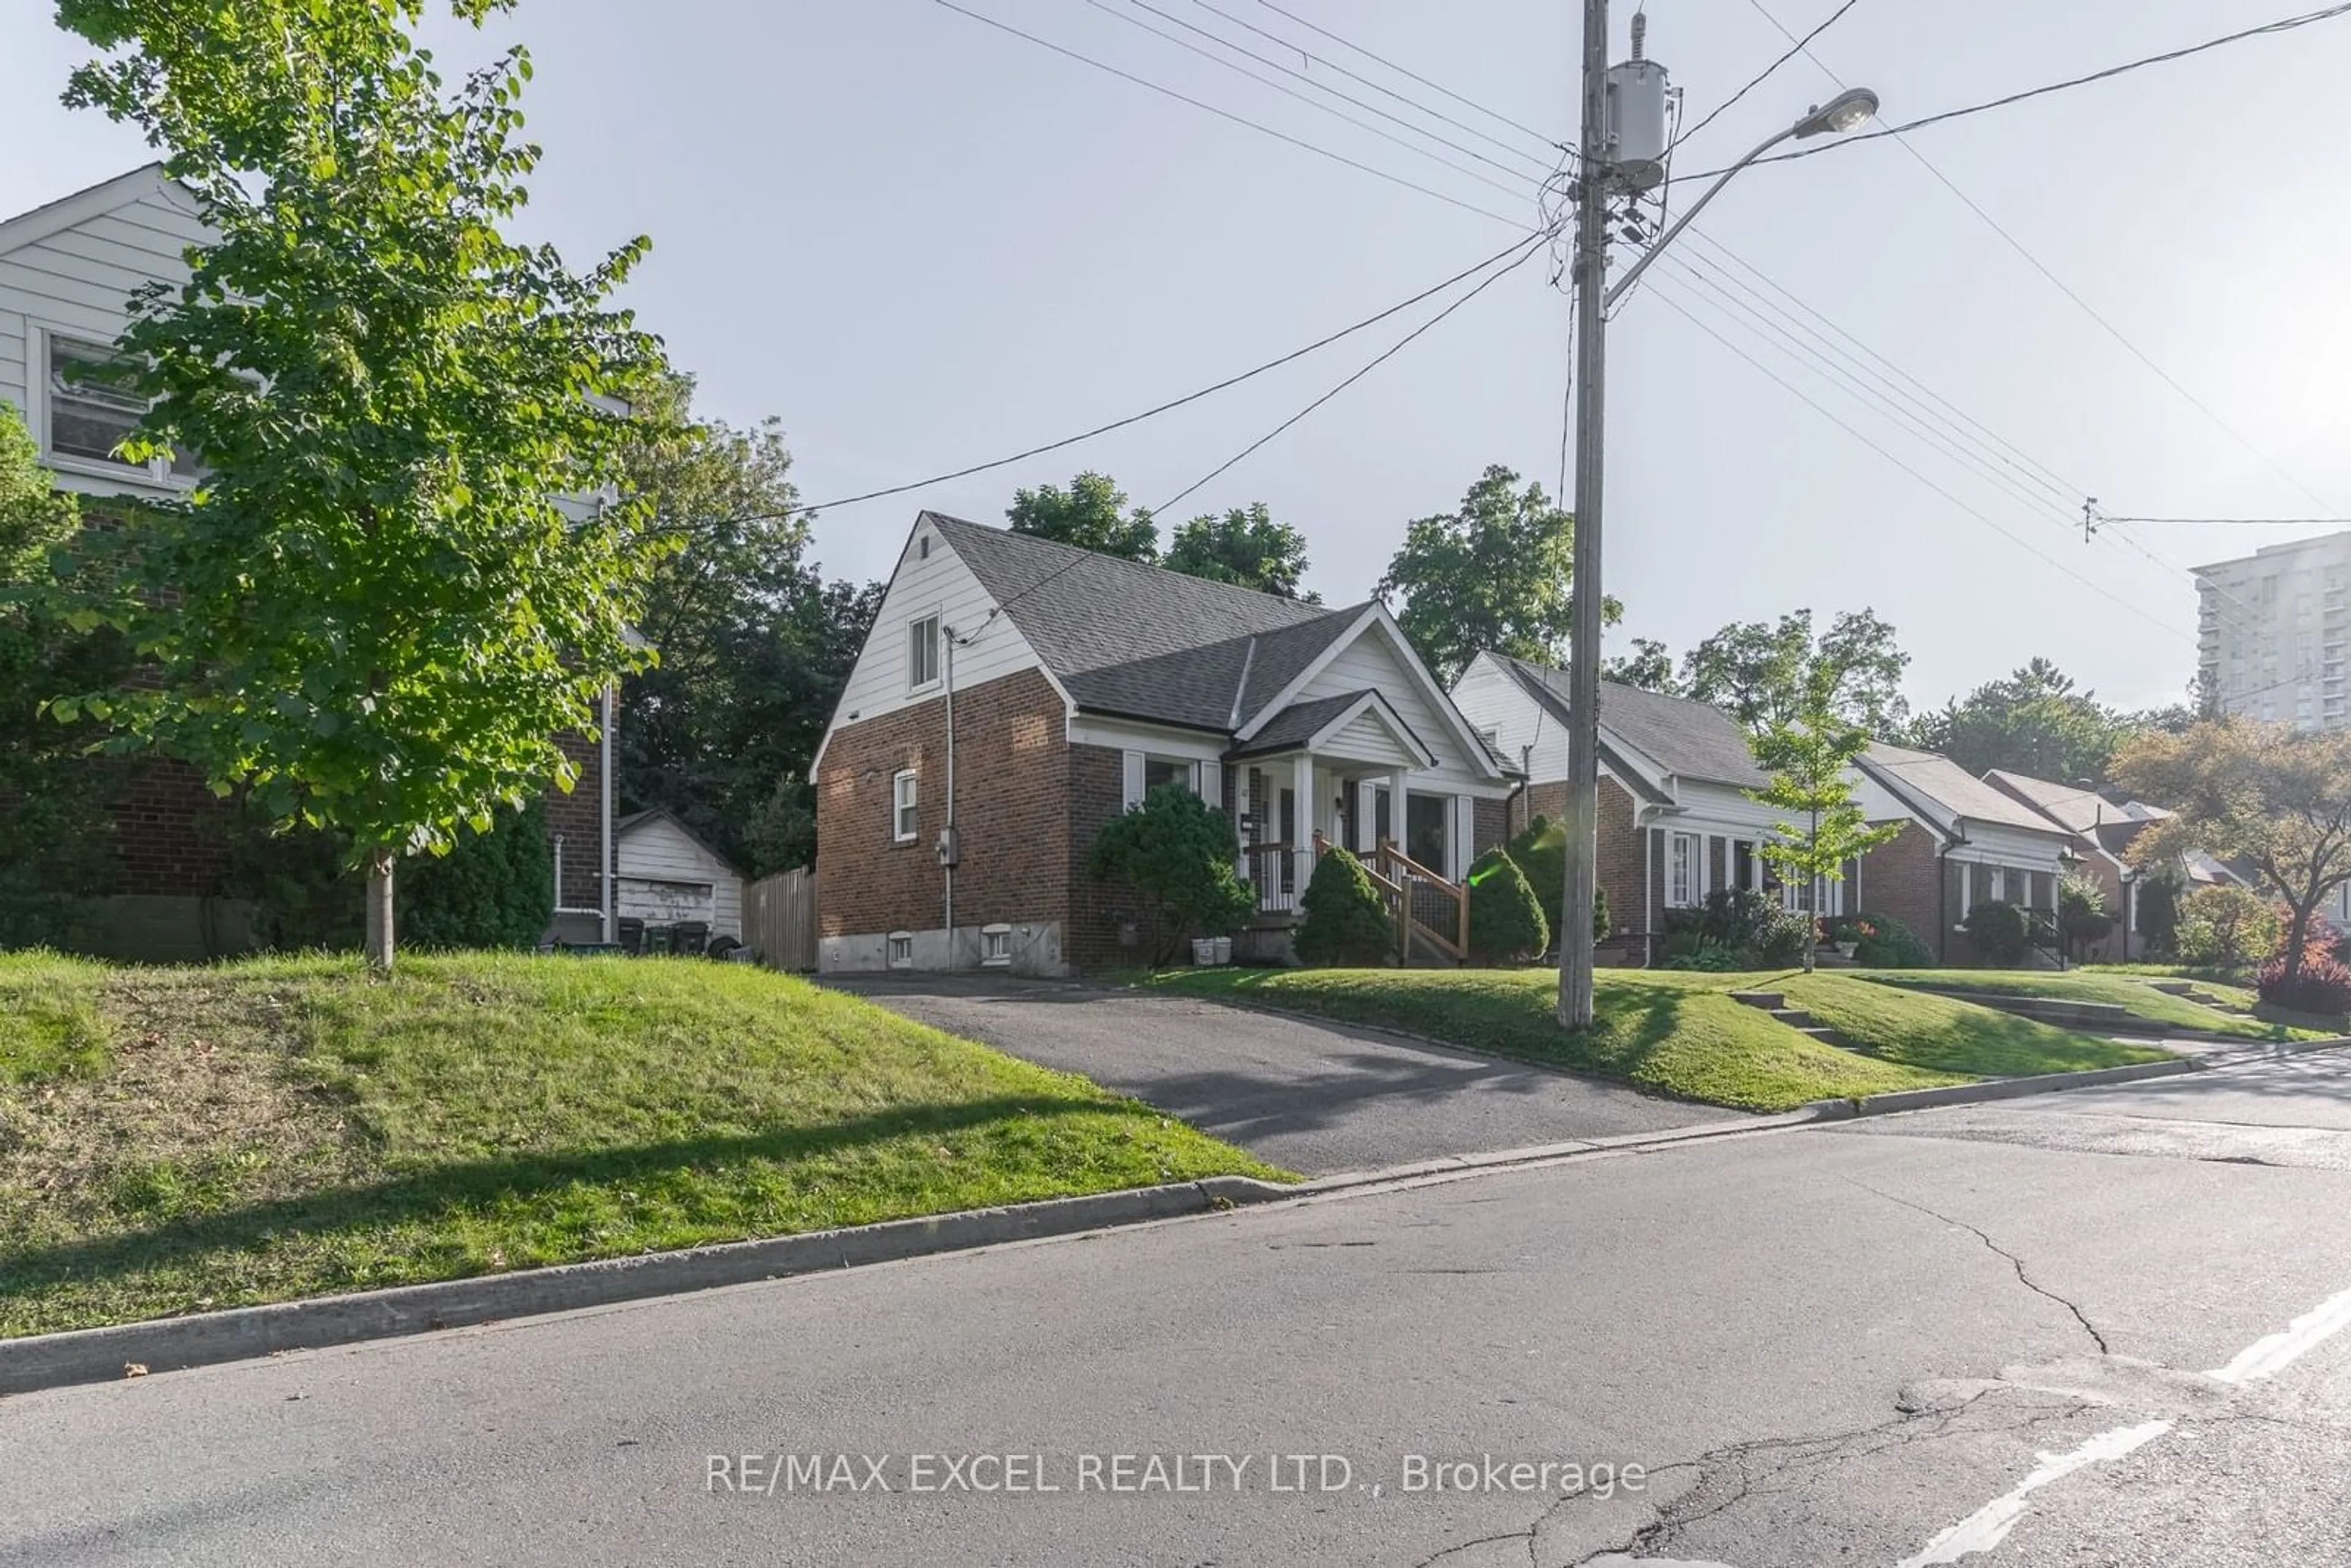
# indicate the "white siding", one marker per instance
pixel 78 281
pixel 941 584
pixel 1491 698
pixel 1365 738
pixel 1995 844
pixel 1369 661
pixel 666 876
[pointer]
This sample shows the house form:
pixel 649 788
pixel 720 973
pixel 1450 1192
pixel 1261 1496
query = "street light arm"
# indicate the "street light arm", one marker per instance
pixel 1696 207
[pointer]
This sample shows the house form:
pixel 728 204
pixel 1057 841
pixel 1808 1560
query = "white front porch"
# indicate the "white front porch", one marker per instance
pixel 1351 804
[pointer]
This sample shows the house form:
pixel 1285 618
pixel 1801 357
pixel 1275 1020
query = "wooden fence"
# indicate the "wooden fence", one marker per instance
pixel 780 919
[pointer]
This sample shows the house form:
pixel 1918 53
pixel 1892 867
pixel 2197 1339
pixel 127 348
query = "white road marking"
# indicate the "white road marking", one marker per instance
pixel 1988 1525
pixel 2273 1353
pixel 2265 1357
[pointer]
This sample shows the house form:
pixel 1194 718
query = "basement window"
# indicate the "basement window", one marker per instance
pixel 996 945
pixel 902 949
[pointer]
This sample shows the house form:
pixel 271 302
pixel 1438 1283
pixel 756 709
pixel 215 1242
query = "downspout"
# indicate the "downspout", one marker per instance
pixel 610 874
pixel 1648 893
pixel 947 845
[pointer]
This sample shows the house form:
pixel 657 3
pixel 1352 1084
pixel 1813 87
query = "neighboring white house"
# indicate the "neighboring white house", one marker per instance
pixel 67 272
pixel 668 875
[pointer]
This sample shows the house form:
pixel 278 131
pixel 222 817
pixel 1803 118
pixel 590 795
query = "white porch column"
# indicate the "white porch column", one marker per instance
pixel 1308 814
pixel 1366 815
pixel 1240 811
pixel 1396 805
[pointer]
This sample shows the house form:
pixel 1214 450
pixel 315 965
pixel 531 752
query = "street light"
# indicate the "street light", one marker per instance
pixel 1842 113
pixel 1604 139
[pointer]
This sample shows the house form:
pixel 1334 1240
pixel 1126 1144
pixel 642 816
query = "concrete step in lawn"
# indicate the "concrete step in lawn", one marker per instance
pixel 1776 1004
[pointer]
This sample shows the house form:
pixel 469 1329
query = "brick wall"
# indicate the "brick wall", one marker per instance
pixel 1618 860
pixel 1491 825
pixel 578 817
pixel 1012 765
pixel 1899 879
pixel 1096 785
pixel 169 833
pixel 1540 800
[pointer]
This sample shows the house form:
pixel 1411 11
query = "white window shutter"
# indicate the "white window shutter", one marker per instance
pixel 1133 780
pixel 1208 782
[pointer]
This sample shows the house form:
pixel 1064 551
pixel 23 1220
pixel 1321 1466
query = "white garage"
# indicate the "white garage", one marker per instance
pixel 668 875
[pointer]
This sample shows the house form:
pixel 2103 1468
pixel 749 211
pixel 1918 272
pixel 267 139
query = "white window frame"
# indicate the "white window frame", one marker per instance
pixel 1135 782
pixel 996 946
pixel 906 806
pixel 915 680
pixel 1685 852
pixel 40 408
pixel 898 949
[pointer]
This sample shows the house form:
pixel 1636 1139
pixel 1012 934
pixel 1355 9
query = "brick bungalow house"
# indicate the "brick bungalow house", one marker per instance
pixel 1968 842
pixel 1676 822
pixel 1078 681
pixel 66 272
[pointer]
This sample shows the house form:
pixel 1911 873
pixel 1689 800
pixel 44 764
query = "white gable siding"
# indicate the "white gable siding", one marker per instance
pixel 78 281
pixel 666 876
pixel 1491 698
pixel 941 584
pixel 1368 661
pixel 1363 738
pixel 1878 804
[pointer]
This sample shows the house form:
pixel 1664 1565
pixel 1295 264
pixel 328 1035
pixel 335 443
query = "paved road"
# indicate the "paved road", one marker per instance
pixel 1886 1344
pixel 1311 1097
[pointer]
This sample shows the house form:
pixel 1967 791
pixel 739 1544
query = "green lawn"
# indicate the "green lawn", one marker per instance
pixel 2133 990
pixel 1680 1034
pixel 176 1139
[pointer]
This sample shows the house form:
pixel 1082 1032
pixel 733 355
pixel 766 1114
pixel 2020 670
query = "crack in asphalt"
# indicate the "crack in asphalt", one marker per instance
pixel 2014 1261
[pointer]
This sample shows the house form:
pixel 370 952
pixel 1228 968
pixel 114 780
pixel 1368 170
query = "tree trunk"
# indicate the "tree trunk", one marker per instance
pixel 2297 931
pixel 379 911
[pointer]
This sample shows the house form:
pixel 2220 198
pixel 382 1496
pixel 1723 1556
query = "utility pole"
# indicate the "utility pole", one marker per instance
pixel 1590 273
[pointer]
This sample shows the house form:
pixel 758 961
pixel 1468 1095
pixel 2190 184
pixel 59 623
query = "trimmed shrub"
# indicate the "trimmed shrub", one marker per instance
pixel 2227 927
pixel 1345 920
pixel 1782 937
pixel 1176 852
pixel 2001 931
pixel 1890 944
pixel 1601 925
pixel 1506 923
pixel 493 890
pixel 2158 913
pixel 2082 912
pixel 1687 952
pixel 1542 853
pixel 2323 985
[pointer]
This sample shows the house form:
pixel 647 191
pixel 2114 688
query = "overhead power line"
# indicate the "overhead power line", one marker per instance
pixel 2239 522
pixel 1550 147
pixel 1794 48
pixel 2283 25
pixel 2042 267
pixel 1415 76
pixel 1533 248
pixel 1165 91
pixel 1215 59
pixel 1195 396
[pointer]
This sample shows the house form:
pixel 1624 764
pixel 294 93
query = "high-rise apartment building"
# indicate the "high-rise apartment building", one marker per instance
pixel 2271 629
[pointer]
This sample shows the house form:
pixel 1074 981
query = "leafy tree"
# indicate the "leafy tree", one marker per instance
pixel 1759 672
pixel 2268 796
pixel 2033 722
pixel 1809 756
pixel 1493 574
pixel 2158 910
pixel 1650 666
pixel 2083 916
pixel 1091 514
pixel 754 644
pixel 55 831
pixel 1343 920
pixel 2227 927
pixel 1505 922
pixel 1177 852
pixel 1602 923
pixel 1245 548
pixel 372 612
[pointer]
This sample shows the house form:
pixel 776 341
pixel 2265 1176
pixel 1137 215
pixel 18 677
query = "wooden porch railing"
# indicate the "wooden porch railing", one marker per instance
pixel 1434 909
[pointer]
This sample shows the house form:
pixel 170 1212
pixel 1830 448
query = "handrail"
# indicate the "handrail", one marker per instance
pixel 1391 860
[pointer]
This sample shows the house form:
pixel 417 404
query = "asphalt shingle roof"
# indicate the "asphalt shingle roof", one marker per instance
pixel 1944 782
pixel 1690 739
pixel 1142 641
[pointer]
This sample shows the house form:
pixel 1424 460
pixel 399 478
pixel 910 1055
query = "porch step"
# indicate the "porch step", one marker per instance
pixel 1767 1000
pixel 1776 1004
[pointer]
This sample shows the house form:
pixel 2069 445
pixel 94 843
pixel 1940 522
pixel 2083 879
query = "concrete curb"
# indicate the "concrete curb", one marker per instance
pixel 163 1344
pixel 1550 1153
pixel 2000 1089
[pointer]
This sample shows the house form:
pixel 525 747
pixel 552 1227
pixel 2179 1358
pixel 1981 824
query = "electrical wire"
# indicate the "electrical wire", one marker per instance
pixel 2283 25
pixel 1434 87
pixel 1322 343
pixel 2239 522
pixel 2056 282
pixel 1548 145
pixel 1133 21
pixel 1320 151
pixel 1795 47
pixel 1674 304
pixel 1533 249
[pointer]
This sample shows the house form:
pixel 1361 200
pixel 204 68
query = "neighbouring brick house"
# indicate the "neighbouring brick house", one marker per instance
pixel 1078 682
pixel 1676 822
pixel 66 272
pixel 1969 842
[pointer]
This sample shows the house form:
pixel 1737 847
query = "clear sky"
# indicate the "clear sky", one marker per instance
pixel 923 243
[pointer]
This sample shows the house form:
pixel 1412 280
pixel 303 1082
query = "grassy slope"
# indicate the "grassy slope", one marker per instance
pixel 1680 1034
pixel 2134 992
pixel 175 1139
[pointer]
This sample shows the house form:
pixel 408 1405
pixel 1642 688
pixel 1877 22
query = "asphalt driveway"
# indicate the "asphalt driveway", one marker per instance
pixel 1317 1098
